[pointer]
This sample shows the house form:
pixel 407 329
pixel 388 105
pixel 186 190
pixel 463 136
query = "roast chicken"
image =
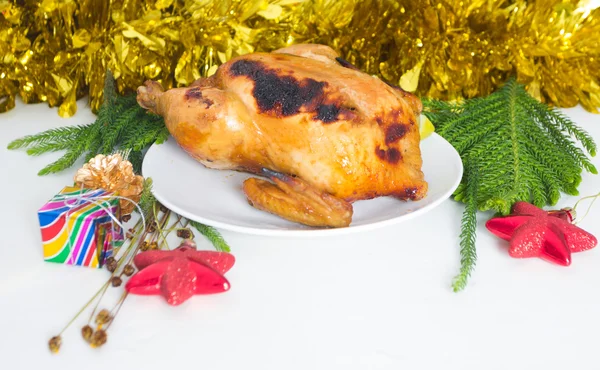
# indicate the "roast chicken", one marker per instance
pixel 317 132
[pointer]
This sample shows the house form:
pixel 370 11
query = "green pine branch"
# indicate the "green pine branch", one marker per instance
pixel 59 135
pixel 136 158
pixel 212 235
pixel 147 200
pixel 121 125
pixel 514 148
pixel 468 230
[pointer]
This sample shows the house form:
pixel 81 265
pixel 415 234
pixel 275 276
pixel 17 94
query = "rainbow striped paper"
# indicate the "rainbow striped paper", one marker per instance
pixel 76 231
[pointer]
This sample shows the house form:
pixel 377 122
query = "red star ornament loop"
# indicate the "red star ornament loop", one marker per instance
pixel 533 232
pixel 179 274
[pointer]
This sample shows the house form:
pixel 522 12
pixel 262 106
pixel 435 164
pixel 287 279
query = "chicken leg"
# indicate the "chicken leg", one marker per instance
pixel 297 201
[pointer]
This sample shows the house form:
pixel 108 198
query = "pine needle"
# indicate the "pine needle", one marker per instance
pixel 514 148
pixel 212 235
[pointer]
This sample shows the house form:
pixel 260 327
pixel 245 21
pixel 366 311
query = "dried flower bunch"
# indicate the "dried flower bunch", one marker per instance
pixel 115 174
pixel 113 171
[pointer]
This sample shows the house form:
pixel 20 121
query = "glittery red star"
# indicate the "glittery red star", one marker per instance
pixel 179 274
pixel 534 232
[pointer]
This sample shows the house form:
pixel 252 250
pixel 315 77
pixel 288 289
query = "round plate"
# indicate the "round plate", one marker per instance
pixel 215 197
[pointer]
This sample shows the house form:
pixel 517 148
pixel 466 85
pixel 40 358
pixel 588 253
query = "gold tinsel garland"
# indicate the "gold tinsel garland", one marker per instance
pixel 57 51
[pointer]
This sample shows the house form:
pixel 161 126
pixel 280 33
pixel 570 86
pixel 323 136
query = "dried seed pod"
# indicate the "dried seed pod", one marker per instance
pixel 116 281
pixel 54 344
pixel 98 338
pixel 154 245
pixel 128 270
pixel 185 233
pixel 87 332
pixel 111 264
pixel 125 218
pixel 152 227
pixel 145 246
pixel 103 317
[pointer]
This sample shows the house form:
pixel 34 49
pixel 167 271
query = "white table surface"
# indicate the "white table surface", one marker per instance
pixel 374 300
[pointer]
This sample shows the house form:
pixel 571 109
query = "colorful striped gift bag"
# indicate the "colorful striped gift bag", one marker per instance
pixel 77 228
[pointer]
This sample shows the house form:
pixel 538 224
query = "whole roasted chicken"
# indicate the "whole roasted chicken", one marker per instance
pixel 320 133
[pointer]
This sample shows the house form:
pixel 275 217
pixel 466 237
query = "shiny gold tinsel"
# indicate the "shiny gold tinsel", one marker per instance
pixel 113 174
pixel 57 50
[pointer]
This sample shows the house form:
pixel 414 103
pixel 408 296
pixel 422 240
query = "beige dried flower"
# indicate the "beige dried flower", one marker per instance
pixel 98 338
pixel 112 173
pixel 87 332
pixel 54 344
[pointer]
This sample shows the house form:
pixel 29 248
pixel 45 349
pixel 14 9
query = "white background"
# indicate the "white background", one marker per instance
pixel 374 300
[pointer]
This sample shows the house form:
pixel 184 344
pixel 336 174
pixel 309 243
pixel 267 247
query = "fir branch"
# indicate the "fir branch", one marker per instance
pixel 58 135
pixel 93 141
pixel 468 235
pixel 566 125
pixel 66 161
pixel 61 142
pixel 114 131
pixel 44 148
pixel 152 129
pixel 109 90
pixel 514 149
pixel 162 135
pixel 121 125
pixel 213 235
pixel 136 158
pixel 147 199
pixel 555 129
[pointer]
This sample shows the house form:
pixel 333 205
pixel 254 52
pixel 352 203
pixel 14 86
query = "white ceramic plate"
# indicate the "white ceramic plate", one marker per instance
pixel 215 197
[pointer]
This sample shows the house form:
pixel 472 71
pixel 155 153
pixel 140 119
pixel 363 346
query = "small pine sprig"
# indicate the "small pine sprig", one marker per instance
pixel 147 199
pixel 468 252
pixel 513 148
pixel 121 125
pixel 212 235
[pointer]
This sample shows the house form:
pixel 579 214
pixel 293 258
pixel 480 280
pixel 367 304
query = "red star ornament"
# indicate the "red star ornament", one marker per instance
pixel 533 232
pixel 179 274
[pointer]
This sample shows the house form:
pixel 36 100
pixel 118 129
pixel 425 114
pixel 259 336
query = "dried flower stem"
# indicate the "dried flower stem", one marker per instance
pixel 128 255
pixel 139 235
pixel 83 308
pixel 161 224
pixel 101 291
pixel 117 308
pixel 120 262
pixel 173 227
pixel 153 236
